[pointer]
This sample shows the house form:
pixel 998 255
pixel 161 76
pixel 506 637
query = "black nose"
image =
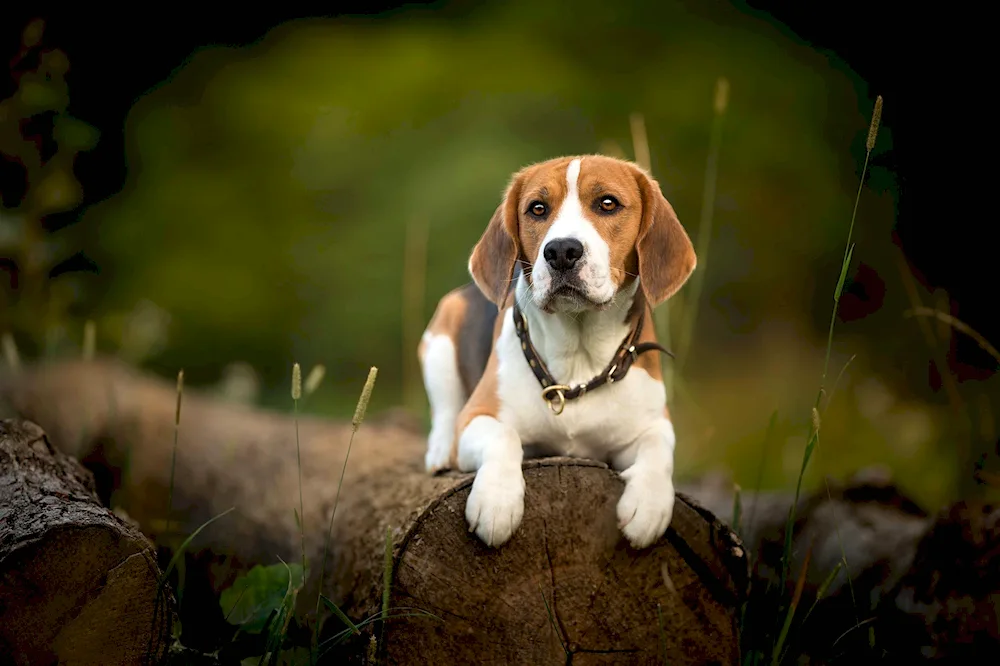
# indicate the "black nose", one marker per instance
pixel 563 253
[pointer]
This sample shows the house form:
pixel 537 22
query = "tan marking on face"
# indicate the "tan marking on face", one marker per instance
pixel 545 183
pixel 600 177
pixel 603 177
pixel 643 236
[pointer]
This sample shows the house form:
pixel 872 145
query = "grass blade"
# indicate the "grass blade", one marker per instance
pixel 958 325
pixel 387 572
pixel 737 507
pixel 821 592
pixel 552 621
pixel 663 635
pixel 173 455
pixel 359 417
pixel 704 224
pixel 844 265
pixel 340 614
pixel 776 654
pixel 180 551
pixel 843 274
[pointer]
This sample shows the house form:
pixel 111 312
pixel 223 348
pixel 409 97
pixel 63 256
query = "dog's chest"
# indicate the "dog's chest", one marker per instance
pixel 594 425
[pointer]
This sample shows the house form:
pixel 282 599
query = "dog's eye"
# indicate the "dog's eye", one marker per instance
pixel 537 208
pixel 609 204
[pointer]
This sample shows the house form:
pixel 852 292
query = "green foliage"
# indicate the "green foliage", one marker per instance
pixel 274 183
pixel 258 593
pixel 38 134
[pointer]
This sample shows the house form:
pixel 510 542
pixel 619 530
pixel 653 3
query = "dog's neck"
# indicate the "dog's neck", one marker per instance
pixel 577 346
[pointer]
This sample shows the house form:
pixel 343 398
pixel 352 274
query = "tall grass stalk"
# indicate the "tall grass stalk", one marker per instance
pixel 958 325
pixel 661 316
pixel 173 453
pixel 10 354
pixel 814 428
pixel 962 417
pixel 386 584
pixel 777 656
pixel 414 290
pixel 89 346
pixel 359 416
pixel 176 560
pixel 737 507
pixel 704 224
pixel 300 517
pixel 844 266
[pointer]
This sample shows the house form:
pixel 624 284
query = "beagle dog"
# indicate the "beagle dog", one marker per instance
pixel 548 350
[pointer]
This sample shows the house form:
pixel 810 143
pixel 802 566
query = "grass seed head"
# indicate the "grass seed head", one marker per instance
pixel 366 395
pixel 296 382
pixel 180 395
pixel 721 95
pixel 873 128
pixel 314 378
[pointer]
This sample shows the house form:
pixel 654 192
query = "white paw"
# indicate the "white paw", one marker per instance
pixel 439 444
pixel 646 506
pixel 496 503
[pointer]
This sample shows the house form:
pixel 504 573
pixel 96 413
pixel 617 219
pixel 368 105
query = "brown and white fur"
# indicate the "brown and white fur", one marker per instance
pixel 622 249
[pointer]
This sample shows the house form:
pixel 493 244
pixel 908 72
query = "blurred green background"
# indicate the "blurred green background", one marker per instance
pixel 273 192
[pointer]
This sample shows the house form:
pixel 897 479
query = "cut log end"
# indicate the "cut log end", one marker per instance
pixel 567 583
pixel 77 584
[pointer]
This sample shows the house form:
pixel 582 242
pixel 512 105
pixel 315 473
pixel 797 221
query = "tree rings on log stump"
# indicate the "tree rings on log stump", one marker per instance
pixel 567 588
pixel 78 585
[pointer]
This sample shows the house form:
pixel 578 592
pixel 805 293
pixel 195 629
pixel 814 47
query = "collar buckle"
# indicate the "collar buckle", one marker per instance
pixel 558 390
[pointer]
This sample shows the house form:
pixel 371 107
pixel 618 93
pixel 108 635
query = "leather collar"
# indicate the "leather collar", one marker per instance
pixel 556 394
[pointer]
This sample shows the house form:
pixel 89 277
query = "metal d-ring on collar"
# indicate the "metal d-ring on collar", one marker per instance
pixel 556 395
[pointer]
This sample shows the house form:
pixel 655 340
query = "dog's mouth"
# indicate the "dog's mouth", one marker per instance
pixel 569 295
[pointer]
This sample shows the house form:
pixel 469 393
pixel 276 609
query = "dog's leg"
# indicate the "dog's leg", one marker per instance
pixel 496 502
pixel 439 366
pixel 493 450
pixel 647 504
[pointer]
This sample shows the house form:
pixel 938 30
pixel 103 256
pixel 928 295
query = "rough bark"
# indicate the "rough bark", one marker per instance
pixel 920 586
pixel 607 601
pixel 78 585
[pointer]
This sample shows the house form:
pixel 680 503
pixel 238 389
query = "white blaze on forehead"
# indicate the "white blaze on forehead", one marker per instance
pixel 571 222
pixel 572 180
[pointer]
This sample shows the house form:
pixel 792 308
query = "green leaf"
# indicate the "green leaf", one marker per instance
pixel 843 273
pixel 258 593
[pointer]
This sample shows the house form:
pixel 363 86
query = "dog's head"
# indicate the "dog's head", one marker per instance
pixel 583 229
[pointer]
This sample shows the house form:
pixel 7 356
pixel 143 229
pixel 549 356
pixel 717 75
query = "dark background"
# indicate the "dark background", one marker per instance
pixel 923 61
pixel 920 59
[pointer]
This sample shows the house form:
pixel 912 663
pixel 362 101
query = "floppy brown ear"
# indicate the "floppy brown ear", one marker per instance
pixel 495 255
pixel 666 256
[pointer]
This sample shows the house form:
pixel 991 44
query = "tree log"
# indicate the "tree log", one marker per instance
pixel 78 585
pixel 566 587
pixel 915 586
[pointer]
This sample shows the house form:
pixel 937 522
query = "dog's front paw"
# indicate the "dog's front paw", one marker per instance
pixel 496 503
pixel 439 444
pixel 646 506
